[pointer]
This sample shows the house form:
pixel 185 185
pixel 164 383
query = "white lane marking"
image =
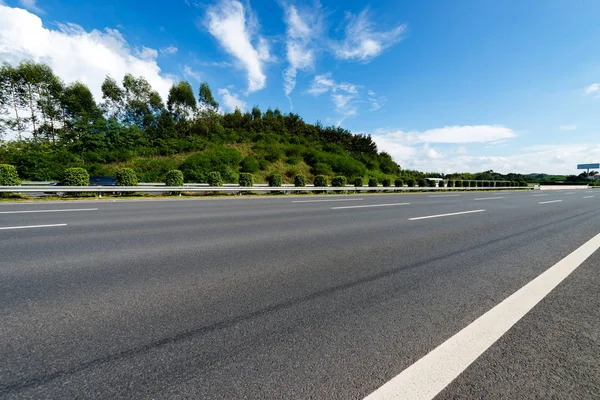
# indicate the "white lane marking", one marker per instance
pixel 569 193
pixel 31 226
pixel 489 198
pixel 371 205
pixel 323 201
pixel 446 195
pixel 551 201
pixel 48 211
pixel 432 373
pixel 537 195
pixel 587 197
pixel 445 215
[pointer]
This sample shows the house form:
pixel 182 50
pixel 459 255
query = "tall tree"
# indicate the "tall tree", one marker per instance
pixel 206 99
pixel 112 95
pixel 12 99
pixel 181 102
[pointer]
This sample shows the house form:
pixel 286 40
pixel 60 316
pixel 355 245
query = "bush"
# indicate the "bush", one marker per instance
pixel 320 181
pixel 523 184
pixel 246 179
pixel 274 179
pixel 399 183
pixel 441 184
pixel 249 164
pixel 220 159
pixel 410 183
pixel 174 178
pixel 300 180
pixel 422 183
pixel 338 181
pixel 372 182
pixel 479 183
pixel 358 182
pixel 491 183
pixel 214 179
pixel 387 183
pixel 450 184
pixel 9 175
pixel 126 177
pixel 431 183
pixel 76 177
pixel 264 164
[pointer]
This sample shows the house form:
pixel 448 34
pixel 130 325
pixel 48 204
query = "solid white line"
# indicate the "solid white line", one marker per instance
pixel 371 205
pixel 537 195
pixel 31 226
pixel 446 195
pixel 432 373
pixel 489 198
pixel 323 201
pixel 551 201
pixel 445 215
pixel 48 211
pixel 587 197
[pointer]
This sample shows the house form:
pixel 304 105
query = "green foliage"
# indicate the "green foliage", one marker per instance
pixel 466 184
pixel 220 159
pixel 338 181
pixel 373 182
pixel 249 164
pixel 214 178
pixel 479 183
pixel 246 179
pixel 126 177
pixel 450 184
pixel 410 183
pixel 431 183
pixel 399 182
pixel 523 184
pixel 422 182
pixel 174 178
pixel 76 177
pixel 299 180
pixel 386 183
pixel 358 182
pixel 441 184
pixel 9 175
pixel 320 181
pixel 274 179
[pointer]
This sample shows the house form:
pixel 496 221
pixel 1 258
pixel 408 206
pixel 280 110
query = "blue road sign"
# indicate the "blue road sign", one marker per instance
pixel 588 166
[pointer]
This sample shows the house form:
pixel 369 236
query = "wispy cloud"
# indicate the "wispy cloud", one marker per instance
pixel 363 41
pixel 231 100
pixel 303 27
pixel 217 64
pixel 235 31
pixel 344 95
pixel 568 127
pixel 491 134
pixel 31 5
pixel 593 89
pixel 188 72
pixel 169 50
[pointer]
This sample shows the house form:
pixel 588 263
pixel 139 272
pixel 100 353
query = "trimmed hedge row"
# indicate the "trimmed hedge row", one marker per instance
pixel 174 178
pixel 125 177
pixel 300 180
pixel 320 181
pixel 338 181
pixel 9 175
pixel 246 179
pixel 76 177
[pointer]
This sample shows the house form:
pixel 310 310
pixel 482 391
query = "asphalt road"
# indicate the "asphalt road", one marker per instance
pixel 292 297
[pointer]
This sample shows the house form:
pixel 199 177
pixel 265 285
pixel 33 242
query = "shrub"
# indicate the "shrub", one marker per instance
pixel 9 175
pixel 76 177
pixel 249 164
pixel 399 183
pixel 274 179
pixel 431 183
pixel 410 183
pixel 422 183
pixel 386 183
pixel 372 182
pixel 479 183
pixel 174 178
pixel 246 179
pixel 523 184
pixel 441 184
pixel 320 181
pixel 491 183
pixel 300 180
pixel 466 184
pixel 450 184
pixel 220 159
pixel 264 164
pixel 338 181
pixel 126 177
pixel 358 182
pixel 214 179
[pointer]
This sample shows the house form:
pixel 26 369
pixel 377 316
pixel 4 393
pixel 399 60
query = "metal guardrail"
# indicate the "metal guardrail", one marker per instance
pixel 203 189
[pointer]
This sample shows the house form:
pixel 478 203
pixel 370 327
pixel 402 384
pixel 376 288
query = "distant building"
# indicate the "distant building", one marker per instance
pixel 596 176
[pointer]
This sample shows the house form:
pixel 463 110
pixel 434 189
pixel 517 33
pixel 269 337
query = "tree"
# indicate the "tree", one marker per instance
pixel 112 95
pixel 12 99
pixel 206 99
pixel 181 102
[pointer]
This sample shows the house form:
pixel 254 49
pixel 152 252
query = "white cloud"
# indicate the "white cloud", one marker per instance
pixel 362 41
pixel 302 28
pixel 31 5
pixel 227 22
pixel 75 54
pixel 568 127
pixel 188 72
pixel 231 100
pixel 594 88
pixel 169 50
pixel 217 64
pixel 455 134
pixel 344 95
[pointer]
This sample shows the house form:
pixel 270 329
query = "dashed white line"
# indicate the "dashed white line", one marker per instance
pixel 445 215
pixel 587 197
pixel 538 195
pixel 323 201
pixel 371 205
pixel 48 211
pixel 569 193
pixel 551 201
pixel 31 226
pixel 446 195
pixel 489 198
pixel 431 374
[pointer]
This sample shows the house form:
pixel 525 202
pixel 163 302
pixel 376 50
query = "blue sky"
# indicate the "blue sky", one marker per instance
pixel 446 86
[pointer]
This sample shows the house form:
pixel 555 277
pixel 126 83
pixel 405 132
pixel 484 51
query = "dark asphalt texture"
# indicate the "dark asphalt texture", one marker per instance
pixel 266 298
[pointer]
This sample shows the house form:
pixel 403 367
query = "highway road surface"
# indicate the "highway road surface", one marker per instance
pixel 397 296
